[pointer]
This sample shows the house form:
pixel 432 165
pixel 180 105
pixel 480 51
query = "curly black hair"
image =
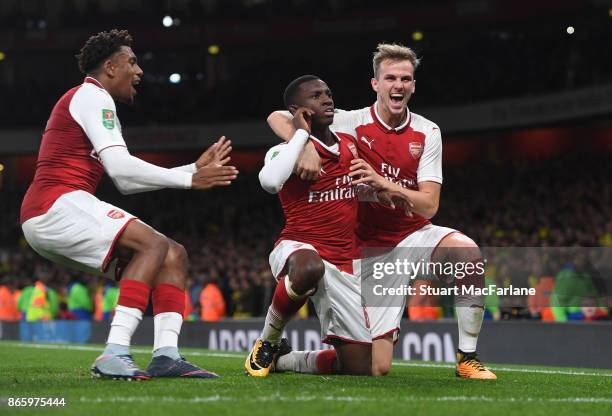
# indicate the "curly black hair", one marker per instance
pixel 100 47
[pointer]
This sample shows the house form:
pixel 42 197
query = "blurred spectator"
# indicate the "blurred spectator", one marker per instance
pixel 188 306
pixel 539 304
pixel 591 311
pixel 38 302
pixel 491 302
pixel 212 305
pixel 8 300
pixel 79 301
pixel 105 300
pixel 573 285
pixel 423 307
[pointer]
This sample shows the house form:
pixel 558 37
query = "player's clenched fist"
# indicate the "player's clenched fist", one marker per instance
pixel 302 119
pixel 309 163
pixel 211 176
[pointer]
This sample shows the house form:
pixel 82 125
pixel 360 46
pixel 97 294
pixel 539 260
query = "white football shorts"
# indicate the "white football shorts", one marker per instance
pixel 78 231
pixel 337 300
pixel 385 320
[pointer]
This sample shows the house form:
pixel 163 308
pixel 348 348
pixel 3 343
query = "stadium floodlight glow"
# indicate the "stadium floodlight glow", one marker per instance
pixel 1 168
pixel 2 56
pixel 417 36
pixel 213 49
pixel 610 12
pixel 167 21
pixel 570 30
pixel 174 78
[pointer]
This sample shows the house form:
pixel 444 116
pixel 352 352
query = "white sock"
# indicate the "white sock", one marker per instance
pixel 274 324
pixel 124 324
pixel 469 320
pixel 299 362
pixel 166 329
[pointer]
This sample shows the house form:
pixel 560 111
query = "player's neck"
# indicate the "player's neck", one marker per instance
pixel 105 82
pixel 389 119
pixel 324 135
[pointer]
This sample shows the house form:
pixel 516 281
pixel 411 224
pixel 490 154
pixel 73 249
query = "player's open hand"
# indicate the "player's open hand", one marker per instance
pixel 217 154
pixel 302 119
pixel 308 167
pixel 212 175
pixel 362 172
pixel 394 199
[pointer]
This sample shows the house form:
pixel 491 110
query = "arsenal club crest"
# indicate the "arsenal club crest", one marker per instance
pixel 115 214
pixel 415 149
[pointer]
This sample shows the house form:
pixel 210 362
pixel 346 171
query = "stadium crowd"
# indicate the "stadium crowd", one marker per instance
pixel 228 234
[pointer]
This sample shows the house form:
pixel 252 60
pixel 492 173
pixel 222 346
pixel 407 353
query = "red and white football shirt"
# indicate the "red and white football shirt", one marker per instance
pixel 406 155
pixel 323 213
pixel 82 123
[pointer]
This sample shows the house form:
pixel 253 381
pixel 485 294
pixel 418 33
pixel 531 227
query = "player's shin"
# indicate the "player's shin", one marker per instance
pixel 470 313
pixel 168 307
pixel 309 362
pixel 133 300
pixel 469 321
pixel 285 304
pixel 470 307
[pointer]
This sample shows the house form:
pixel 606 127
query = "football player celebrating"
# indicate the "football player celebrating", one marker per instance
pixel 63 221
pixel 406 149
pixel 313 255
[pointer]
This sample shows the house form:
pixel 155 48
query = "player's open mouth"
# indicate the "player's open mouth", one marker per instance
pixel 134 85
pixel 329 111
pixel 397 101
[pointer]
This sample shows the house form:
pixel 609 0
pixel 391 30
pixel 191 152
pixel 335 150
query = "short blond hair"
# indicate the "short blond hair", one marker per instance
pixel 393 52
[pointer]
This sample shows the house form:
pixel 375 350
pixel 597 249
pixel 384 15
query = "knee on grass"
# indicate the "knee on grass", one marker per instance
pixel 380 369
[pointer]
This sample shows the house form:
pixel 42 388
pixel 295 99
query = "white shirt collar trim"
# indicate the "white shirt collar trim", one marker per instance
pixel 400 127
pixel 328 148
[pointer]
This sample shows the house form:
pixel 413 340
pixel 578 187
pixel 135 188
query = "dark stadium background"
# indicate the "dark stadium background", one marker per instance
pixel 523 183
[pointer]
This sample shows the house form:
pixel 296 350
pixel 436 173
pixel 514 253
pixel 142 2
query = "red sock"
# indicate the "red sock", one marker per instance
pixel 325 361
pixel 134 294
pixel 285 306
pixel 168 298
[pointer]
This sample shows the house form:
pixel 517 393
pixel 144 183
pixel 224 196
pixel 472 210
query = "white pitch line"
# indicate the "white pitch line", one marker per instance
pixel 100 349
pixel 239 355
pixel 278 398
pixel 516 370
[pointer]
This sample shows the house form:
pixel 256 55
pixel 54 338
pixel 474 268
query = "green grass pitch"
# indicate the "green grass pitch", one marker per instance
pixel 412 388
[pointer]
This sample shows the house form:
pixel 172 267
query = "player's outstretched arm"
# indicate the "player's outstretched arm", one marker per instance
pixel 425 201
pixel 309 162
pixel 132 175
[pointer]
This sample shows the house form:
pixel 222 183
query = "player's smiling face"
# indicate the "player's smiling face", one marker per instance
pixel 127 74
pixel 317 96
pixel 394 87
